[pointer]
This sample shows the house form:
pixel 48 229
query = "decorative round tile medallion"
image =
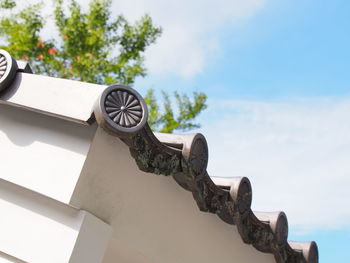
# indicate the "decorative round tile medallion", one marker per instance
pixel 123 109
pixel 8 69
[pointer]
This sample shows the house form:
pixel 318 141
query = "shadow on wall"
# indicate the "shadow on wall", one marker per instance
pixel 40 205
pixel 24 127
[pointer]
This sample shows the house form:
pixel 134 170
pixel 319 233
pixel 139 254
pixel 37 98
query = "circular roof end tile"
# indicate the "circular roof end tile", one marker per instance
pixel 8 69
pixel 121 110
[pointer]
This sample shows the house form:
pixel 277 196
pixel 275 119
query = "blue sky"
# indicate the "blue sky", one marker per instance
pixel 276 73
pixel 289 48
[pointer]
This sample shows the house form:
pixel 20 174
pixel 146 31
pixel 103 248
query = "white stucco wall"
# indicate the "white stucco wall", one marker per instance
pixel 4 258
pixel 41 159
pixel 42 153
pixel 37 229
pixel 152 214
pixel 119 252
pixel 152 218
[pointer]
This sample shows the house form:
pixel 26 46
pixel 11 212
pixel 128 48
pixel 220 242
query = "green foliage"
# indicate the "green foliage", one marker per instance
pixel 88 41
pixel 7 4
pixel 93 47
pixel 166 121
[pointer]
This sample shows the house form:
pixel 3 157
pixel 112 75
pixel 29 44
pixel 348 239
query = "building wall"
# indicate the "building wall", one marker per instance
pixel 42 153
pixel 49 164
pixel 41 159
pixel 153 215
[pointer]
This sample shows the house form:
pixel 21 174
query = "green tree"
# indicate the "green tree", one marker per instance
pixel 93 47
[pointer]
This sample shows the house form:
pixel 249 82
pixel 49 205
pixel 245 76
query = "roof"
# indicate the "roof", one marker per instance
pixel 122 112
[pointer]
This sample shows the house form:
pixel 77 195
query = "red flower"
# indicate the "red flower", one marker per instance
pixel 25 58
pixel 40 56
pixel 40 44
pixel 52 51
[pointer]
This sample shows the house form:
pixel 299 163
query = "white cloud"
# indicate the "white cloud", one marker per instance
pixel 191 28
pixel 296 154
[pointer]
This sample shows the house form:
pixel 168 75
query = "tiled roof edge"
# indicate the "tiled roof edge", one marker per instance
pixel 122 112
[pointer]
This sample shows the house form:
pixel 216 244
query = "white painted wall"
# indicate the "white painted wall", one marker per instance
pixel 153 219
pixel 37 229
pixel 42 153
pixel 4 258
pixel 152 214
pixel 119 252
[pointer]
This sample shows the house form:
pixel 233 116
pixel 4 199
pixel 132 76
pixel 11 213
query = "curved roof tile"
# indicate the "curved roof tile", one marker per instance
pixel 185 158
